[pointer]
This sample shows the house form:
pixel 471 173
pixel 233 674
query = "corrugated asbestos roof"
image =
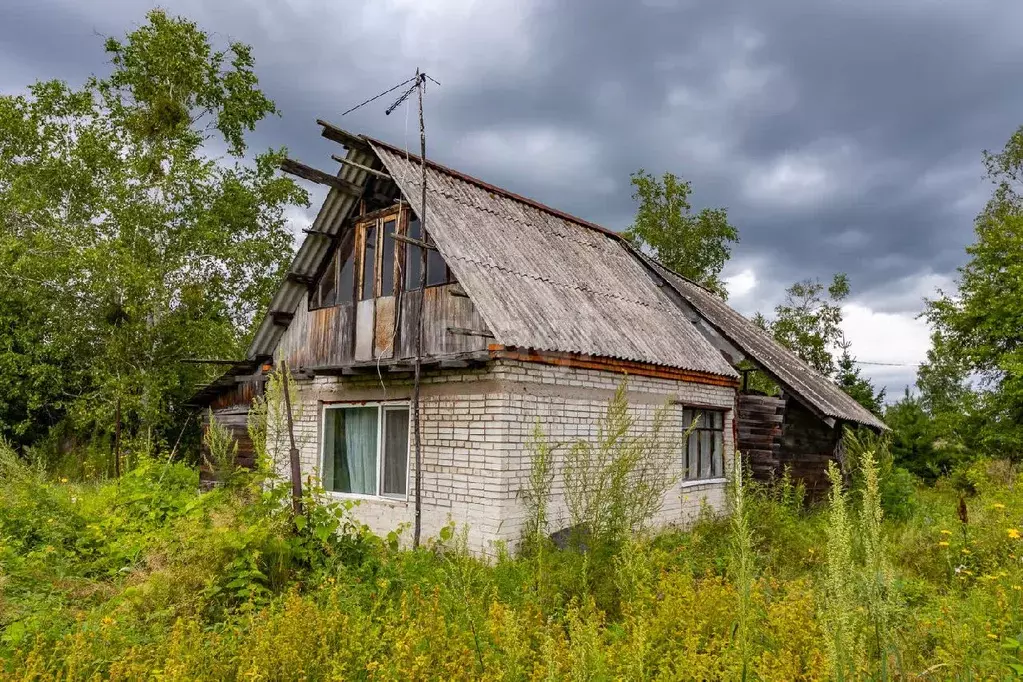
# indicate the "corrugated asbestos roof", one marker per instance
pixel 796 377
pixel 543 281
pixel 546 280
pixel 311 254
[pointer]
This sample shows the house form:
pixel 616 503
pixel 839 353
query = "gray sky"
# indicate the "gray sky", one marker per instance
pixel 842 136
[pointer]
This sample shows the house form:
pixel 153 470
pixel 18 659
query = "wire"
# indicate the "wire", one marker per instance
pixel 887 364
pixel 376 97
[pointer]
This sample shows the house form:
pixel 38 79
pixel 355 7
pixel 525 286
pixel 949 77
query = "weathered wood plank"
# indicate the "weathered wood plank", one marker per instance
pixel 305 172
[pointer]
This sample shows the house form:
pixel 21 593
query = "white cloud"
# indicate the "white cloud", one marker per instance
pixel 900 340
pixel 741 284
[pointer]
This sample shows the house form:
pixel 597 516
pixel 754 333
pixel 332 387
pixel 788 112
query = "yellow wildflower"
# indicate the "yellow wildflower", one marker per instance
pixel 946 532
pixel 943 544
pixel 1013 533
pixel 63 480
pixel 991 635
pixel 998 505
pixel 965 551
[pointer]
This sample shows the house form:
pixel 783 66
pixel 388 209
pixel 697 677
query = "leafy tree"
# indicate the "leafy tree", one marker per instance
pixel 695 246
pixel 977 332
pixel 860 388
pixel 914 442
pixel 809 323
pixel 125 245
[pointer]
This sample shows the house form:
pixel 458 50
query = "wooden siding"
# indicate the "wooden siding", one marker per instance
pixel 341 335
pixel 235 420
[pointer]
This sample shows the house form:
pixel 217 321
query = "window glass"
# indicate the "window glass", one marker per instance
pixel 704 455
pixel 365 450
pixel 413 255
pixel 328 282
pixel 346 281
pixel 387 259
pixel 369 261
pixel 395 451
pixel 436 268
pixel 350 450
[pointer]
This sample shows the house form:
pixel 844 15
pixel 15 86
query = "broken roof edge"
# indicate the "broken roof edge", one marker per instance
pixel 863 417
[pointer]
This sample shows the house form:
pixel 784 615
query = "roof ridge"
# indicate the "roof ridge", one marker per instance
pixel 498 190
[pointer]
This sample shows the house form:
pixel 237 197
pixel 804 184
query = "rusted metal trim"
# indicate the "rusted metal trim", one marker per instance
pixel 580 361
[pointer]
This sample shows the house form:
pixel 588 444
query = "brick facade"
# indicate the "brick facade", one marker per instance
pixel 476 424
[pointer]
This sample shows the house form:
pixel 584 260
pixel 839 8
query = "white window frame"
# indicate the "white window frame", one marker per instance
pixel 698 413
pixel 382 407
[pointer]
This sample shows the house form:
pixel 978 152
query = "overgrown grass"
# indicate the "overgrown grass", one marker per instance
pixel 147 578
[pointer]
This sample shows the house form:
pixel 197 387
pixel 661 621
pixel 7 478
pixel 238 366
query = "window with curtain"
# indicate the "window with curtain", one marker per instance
pixel 365 449
pixel 704 453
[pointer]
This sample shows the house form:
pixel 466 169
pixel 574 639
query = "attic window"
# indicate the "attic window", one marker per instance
pixel 437 271
pixel 372 263
pixel 337 283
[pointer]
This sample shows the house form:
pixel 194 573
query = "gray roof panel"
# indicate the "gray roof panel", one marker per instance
pixel 543 281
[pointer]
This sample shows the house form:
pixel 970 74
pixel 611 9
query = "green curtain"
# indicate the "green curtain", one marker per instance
pixel 351 437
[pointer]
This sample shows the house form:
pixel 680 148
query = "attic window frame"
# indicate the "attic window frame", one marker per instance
pixel 353 245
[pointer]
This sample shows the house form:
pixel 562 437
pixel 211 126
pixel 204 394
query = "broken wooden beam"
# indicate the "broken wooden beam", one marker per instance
pixel 321 177
pixel 371 171
pixel 350 140
pixel 470 332
pixel 415 242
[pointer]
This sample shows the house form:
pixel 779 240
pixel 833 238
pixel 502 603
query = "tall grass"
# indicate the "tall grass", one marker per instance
pixel 146 577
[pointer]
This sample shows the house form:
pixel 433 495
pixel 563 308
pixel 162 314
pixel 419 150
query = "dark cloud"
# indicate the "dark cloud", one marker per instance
pixel 840 135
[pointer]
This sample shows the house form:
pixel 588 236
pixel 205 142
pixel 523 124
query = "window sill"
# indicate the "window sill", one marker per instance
pixel 355 497
pixel 696 483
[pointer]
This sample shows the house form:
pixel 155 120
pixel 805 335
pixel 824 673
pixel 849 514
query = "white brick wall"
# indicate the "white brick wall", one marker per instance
pixel 475 426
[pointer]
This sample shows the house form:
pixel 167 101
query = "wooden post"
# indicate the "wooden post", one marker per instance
pixel 419 322
pixel 296 464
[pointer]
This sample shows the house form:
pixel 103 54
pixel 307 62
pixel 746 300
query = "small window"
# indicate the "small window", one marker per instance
pixel 436 268
pixel 413 255
pixel 387 258
pixel 704 454
pixel 369 260
pixel 346 281
pixel 365 450
pixel 328 283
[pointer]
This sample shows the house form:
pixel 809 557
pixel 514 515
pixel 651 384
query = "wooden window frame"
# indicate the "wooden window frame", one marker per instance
pixel 377 220
pixel 694 444
pixel 401 215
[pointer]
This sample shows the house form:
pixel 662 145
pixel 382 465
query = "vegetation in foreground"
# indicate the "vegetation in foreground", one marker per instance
pixel 144 577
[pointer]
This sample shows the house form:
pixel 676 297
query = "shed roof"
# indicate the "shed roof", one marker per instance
pixel 795 376
pixel 544 280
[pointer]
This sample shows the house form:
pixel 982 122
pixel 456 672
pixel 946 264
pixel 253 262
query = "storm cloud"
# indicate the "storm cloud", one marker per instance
pixel 842 136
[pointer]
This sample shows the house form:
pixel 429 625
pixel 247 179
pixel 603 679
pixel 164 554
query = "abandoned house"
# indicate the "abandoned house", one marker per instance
pixel 528 314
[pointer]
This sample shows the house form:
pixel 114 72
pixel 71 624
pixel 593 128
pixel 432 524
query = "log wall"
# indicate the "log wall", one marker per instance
pixel 760 429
